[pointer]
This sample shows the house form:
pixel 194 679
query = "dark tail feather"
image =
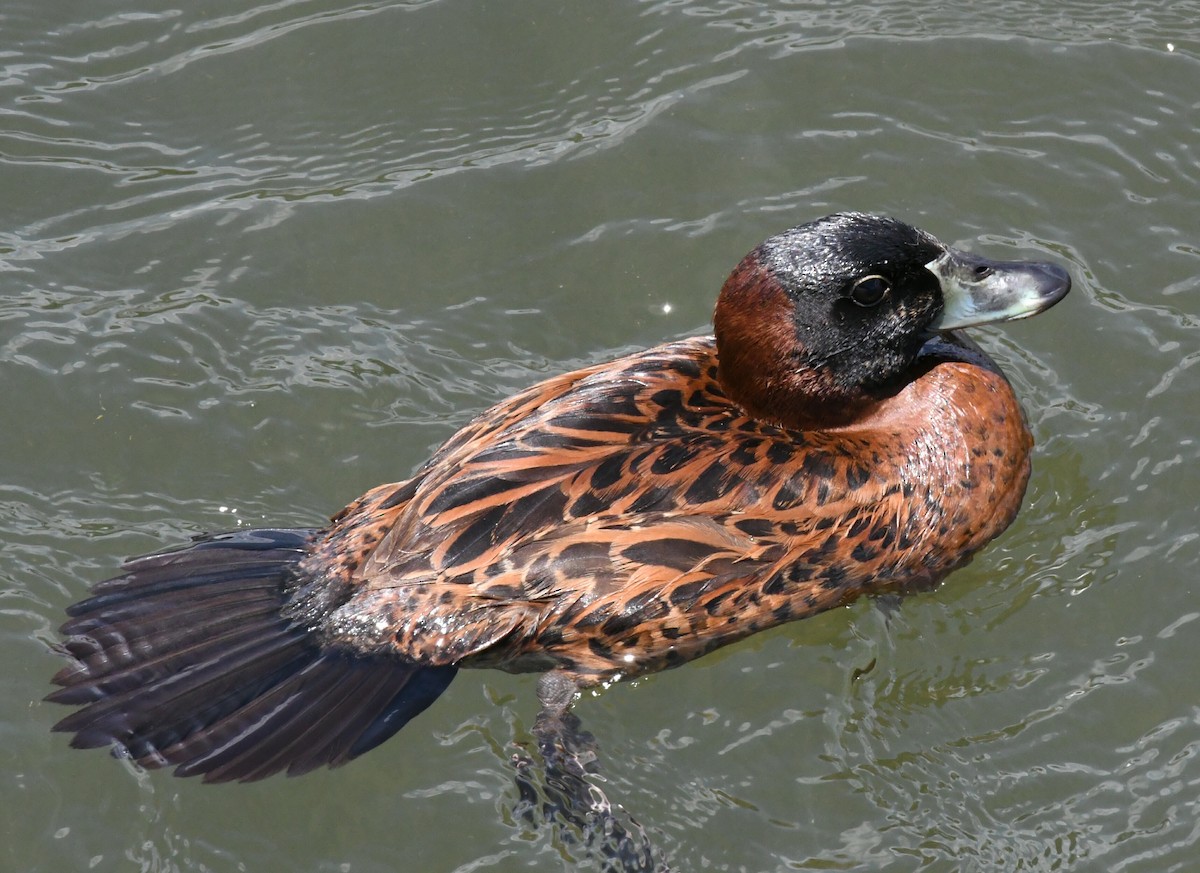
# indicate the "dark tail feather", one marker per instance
pixel 187 660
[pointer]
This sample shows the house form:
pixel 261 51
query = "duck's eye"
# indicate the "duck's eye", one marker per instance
pixel 870 290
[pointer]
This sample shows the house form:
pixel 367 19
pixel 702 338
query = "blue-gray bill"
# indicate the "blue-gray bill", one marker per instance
pixel 977 290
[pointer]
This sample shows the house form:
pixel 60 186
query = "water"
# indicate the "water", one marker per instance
pixel 257 259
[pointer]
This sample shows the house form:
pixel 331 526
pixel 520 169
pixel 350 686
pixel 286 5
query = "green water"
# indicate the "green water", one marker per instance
pixel 257 259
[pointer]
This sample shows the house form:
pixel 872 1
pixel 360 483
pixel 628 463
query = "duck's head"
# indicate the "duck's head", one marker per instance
pixel 820 322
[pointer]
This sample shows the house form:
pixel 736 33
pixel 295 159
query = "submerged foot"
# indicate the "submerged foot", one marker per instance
pixel 567 799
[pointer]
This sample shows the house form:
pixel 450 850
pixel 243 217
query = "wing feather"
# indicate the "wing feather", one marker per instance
pixel 628 510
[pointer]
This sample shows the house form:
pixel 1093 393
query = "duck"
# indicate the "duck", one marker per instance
pixel 837 435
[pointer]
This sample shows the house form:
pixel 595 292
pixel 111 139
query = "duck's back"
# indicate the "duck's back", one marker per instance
pixel 629 517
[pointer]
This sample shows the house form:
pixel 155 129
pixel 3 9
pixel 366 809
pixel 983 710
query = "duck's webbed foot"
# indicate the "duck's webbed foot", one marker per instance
pixel 566 798
pixel 888 604
pixel 563 745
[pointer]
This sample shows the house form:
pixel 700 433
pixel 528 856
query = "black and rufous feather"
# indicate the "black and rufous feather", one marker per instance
pixel 829 441
pixel 631 517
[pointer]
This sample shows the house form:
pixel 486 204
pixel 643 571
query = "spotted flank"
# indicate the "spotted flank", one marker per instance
pixel 618 522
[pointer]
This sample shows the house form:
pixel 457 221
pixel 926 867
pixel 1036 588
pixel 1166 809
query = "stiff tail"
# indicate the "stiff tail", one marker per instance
pixel 187 660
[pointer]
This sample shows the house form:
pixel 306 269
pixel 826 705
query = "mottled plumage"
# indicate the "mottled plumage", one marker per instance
pixel 832 440
pixel 616 524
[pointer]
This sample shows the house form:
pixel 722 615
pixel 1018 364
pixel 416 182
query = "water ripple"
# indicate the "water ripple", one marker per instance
pixel 798 26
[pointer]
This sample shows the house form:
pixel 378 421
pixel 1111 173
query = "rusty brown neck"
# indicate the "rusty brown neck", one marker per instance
pixel 763 366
